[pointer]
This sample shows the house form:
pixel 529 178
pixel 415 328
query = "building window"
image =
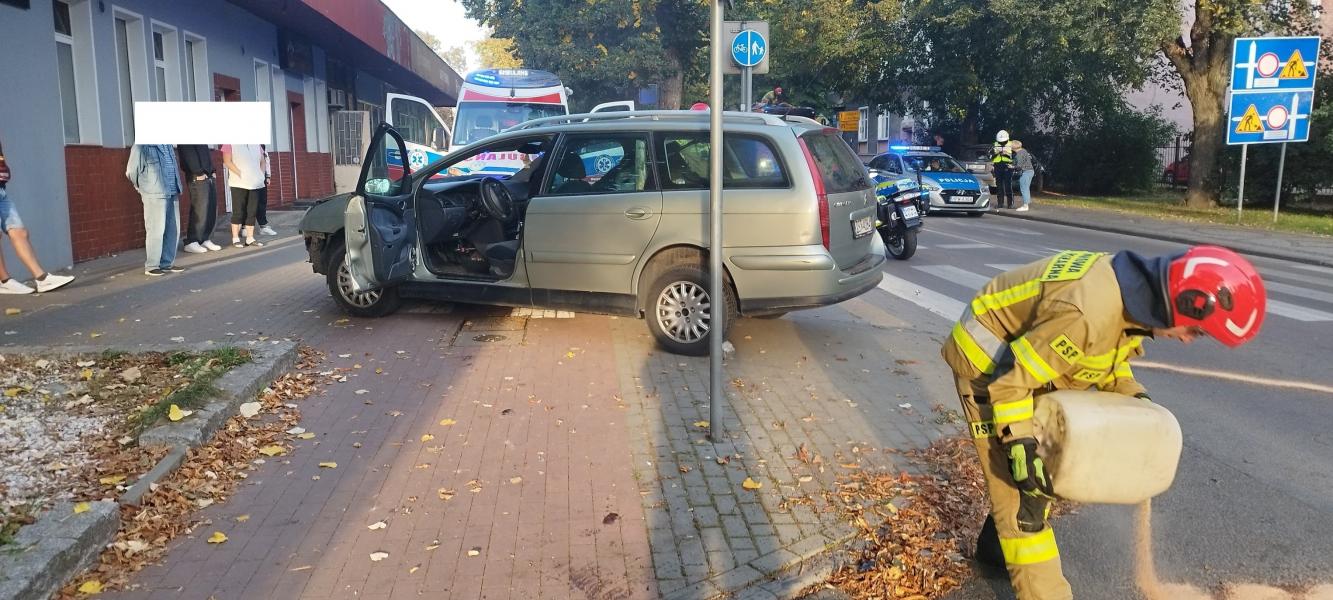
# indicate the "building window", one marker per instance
pixel 196 68
pixel 69 98
pixel 282 114
pixel 863 124
pixel 132 72
pixel 264 88
pixel 166 63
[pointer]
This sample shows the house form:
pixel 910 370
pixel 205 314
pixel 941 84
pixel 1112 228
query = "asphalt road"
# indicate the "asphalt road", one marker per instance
pixel 1253 498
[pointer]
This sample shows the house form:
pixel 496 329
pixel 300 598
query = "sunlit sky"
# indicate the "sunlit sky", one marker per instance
pixel 446 19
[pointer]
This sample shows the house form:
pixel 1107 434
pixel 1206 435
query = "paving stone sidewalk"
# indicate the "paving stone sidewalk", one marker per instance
pixel 579 436
pixel 1303 248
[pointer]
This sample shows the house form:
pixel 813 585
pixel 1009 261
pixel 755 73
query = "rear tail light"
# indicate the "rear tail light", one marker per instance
pixel 821 197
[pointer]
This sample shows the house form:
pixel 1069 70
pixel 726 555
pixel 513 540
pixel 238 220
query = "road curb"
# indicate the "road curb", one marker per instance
pixel 1179 239
pixel 61 544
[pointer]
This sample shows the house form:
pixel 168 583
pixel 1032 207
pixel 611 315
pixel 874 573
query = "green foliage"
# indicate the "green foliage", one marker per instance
pixel 1114 153
pixel 198 371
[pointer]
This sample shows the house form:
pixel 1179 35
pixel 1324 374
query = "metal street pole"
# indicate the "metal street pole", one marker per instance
pixel 717 309
pixel 1277 196
pixel 1240 192
pixel 747 88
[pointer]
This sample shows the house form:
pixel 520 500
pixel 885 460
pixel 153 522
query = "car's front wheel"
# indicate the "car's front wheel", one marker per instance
pixel 680 311
pixel 373 303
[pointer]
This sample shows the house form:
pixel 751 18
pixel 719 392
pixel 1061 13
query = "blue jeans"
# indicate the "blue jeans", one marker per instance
pixel 1025 186
pixel 161 232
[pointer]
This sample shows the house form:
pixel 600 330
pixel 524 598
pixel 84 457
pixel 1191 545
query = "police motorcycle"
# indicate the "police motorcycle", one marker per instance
pixel 900 212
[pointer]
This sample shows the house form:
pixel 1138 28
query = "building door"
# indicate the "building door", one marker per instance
pixel 225 94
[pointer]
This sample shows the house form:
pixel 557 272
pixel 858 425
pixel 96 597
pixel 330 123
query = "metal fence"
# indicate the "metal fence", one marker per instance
pixel 351 133
pixel 1172 162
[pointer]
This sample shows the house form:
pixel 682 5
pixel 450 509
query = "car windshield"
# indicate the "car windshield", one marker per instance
pixel 479 120
pixel 933 163
pixel 516 158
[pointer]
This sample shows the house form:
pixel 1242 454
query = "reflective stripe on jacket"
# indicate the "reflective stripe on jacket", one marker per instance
pixel 1058 323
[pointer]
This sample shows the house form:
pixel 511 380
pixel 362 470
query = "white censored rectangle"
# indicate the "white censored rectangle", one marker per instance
pixel 203 123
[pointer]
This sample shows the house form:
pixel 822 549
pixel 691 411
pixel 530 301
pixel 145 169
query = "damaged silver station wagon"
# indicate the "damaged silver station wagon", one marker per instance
pixel 609 214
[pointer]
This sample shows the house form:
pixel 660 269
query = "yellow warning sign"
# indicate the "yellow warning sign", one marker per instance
pixel 1295 67
pixel 1250 122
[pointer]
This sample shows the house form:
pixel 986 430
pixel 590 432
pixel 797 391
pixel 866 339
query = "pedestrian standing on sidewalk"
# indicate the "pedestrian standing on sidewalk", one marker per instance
pixel 261 213
pixel 197 162
pixel 12 226
pixel 1073 322
pixel 153 172
pixel 244 163
pixel 1002 162
pixel 1023 164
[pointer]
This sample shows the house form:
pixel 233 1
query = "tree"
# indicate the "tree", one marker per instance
pixel 496 53
pixel 603 49
pixel 1202 59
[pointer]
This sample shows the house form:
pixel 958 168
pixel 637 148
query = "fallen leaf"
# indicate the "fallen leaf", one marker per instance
pixel 356 444
pixel 249 409
pixel 685 468
pixel 445 493
pixel 92 586
pixel 86 374
pixel 379 371
pixel 111 480
pixel 360 392
pixel 306 436
pixel 474 551
pixel 300 568
pixel 175 413
pixel 131 374
pixel 242 518
pixel 296 431
pixel 567 354
pixel 515 480
pixel 204 502
pixel 272 450
pixel 13 392
pixel 447 422
pixel 805 478
pixel 217 538
pixel 328 465
pixel 433 545
pixel 610 518
pixel 377 525
pixel 722 460
pixel 426 437
pixel 701 424
pixel 751 484
pixel 378 556
pixel 82 507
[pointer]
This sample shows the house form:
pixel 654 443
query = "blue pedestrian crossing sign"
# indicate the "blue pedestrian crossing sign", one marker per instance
pixel 1274 63
pixel 749 48
pixel 1269 117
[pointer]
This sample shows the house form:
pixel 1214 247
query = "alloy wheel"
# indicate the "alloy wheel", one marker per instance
pixel 684 312
pixel 349 293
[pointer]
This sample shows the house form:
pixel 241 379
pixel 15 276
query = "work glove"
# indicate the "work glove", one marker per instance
pixel 1028 470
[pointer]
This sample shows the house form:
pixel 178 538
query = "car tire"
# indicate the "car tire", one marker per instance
pixel 671 309
pixel 377 303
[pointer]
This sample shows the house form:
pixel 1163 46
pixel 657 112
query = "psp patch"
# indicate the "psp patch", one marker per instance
pixel 1070 265
pixel 1066 349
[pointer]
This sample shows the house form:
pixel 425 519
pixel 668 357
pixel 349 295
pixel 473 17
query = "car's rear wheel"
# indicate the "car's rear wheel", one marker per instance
pixel 680 311
pixel 374 303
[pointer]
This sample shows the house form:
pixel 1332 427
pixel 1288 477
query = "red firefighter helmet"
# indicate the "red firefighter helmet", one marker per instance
pixel 699 106
pixel 1218 291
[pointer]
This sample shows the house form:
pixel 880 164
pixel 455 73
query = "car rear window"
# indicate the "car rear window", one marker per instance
pixel 748 162
pixel 839 167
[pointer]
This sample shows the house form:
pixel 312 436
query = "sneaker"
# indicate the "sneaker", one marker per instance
pixel 53 281
pixel 154 272
pixel 172 269
pixel 194 248
pixel 1023 208
pixel 14 286
pixel 211 246
pixel 266 230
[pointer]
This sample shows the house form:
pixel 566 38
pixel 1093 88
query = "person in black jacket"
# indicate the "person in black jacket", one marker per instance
pixel 197 162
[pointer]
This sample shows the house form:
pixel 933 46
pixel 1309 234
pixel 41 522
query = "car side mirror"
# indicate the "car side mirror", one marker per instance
pixel 439 139
pixel 377 186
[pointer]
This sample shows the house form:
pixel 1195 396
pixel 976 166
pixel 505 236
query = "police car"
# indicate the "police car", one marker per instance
pixel 952 188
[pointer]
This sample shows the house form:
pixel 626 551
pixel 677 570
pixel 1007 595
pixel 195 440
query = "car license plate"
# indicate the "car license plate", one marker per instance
pixel 862 227
pixel 961 199
pixel 909 212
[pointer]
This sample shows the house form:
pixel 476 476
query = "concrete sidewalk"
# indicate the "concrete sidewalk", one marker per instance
pixel 1302 248
pixel 567 460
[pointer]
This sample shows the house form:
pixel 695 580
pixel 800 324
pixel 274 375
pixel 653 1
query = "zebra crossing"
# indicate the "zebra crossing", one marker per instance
pixel 1305 297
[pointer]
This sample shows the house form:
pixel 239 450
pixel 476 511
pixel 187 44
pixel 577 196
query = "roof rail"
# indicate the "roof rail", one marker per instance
pixel 657 115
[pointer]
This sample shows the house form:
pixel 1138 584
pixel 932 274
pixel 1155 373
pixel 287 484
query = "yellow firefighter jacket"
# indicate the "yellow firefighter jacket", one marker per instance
pixel 1058 323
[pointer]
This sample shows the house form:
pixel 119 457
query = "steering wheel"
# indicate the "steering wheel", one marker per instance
pixel 496 201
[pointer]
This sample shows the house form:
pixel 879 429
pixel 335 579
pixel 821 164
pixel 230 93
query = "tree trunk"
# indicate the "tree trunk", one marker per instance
pixel 673 86
pixel 969 132
pixel 1205 181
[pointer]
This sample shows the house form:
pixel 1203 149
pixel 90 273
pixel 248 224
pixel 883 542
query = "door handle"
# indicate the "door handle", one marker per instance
pixel 637 213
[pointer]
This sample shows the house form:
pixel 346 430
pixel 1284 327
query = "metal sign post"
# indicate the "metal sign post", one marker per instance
pixel 1272 98
pixel 717 310
pixel 1277 195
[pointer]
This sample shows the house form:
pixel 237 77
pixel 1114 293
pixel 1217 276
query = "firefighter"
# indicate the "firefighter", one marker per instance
pixel 1002 164
pixel 1073 321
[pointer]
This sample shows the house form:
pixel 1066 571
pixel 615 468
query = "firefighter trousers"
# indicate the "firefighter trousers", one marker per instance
pixel 1032 559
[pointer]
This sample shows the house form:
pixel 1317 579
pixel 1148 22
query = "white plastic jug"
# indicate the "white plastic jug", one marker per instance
pixel 1106 448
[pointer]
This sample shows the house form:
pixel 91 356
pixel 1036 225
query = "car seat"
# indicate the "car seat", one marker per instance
pixel 482 127
pixel 571 168
pixel 678 169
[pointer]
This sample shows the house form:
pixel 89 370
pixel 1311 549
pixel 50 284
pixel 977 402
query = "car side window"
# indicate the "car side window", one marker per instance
pixel 748 162
pixel 603 164
pixel 895 164
pixel 879 163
